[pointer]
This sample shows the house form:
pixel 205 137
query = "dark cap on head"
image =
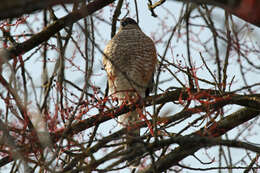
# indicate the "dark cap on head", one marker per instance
pixel 127 21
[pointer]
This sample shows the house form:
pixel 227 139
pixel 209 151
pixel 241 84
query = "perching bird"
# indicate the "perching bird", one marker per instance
pixel 130 60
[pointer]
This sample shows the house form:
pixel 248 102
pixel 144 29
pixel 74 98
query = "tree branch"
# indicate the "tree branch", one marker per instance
pixel 170 96
pixel 55 27
pixel 215 130
pixel 16 8
pixel 244 9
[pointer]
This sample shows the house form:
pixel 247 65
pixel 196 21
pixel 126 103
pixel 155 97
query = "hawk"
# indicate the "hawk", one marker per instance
pixel 130 61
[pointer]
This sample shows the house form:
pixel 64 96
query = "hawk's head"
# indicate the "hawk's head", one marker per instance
pixel 127 21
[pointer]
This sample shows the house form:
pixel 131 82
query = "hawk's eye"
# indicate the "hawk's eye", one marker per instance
pixel 124 23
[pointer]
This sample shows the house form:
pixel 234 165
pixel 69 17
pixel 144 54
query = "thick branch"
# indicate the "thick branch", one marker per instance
pixel 221 101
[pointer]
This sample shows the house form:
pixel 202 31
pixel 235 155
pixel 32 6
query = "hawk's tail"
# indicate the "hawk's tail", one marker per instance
pixel 129 120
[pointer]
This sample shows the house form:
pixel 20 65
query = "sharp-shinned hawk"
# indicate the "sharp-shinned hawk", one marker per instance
pixel 129 60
